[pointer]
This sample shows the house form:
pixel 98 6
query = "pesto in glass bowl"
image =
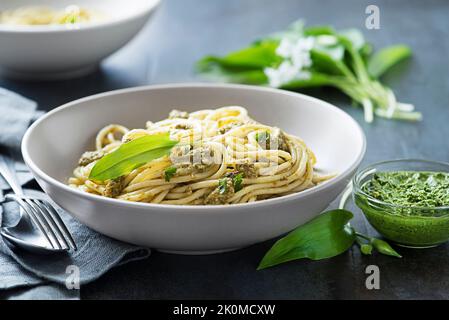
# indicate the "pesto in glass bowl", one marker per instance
pixel 407 201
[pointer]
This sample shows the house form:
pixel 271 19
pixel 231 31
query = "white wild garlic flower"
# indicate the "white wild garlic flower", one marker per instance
pixel 296 54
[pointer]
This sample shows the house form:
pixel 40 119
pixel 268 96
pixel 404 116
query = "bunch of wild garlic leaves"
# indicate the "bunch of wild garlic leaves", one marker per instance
pixel 318 56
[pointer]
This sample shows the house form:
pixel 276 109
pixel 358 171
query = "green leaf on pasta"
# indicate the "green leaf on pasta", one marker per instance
pixel 132 155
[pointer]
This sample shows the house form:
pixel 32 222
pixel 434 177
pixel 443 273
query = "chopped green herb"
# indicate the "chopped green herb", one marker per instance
pixel 237 180
pixel 169 173
pixel 222 186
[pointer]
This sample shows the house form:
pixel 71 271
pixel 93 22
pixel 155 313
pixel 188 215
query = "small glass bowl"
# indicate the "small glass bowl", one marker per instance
pixel 408 226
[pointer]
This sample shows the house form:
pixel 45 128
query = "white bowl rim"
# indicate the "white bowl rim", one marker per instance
pixel 196 208
pixel 5 28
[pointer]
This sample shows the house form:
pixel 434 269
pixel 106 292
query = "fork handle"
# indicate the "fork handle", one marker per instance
pixel 7 171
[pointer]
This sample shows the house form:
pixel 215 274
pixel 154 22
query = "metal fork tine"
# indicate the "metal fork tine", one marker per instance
pixel 49 216
pixel 29 210
pixel 48 223
pixel 61 225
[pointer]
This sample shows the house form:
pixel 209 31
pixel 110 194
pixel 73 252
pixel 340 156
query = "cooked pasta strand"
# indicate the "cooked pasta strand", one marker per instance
pixel 223 157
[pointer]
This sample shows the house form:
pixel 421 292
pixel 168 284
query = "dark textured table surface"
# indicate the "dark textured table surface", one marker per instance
pixel 184 30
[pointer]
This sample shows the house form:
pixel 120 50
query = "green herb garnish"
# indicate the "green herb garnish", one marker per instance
pixel 169 173
pixel 313 57
pixel 237 181
pixel 223 185
pixel 326 236
pixel 132 155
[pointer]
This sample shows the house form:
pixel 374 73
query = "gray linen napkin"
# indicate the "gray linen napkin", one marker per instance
pixel 16 113
pixel 45 277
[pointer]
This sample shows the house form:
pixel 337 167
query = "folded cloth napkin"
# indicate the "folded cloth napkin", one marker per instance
pixel 35 276
pixel 16 113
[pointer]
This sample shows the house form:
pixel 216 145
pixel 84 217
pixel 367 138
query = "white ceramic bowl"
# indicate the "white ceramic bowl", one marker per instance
pixel 58 51
pixel 53 144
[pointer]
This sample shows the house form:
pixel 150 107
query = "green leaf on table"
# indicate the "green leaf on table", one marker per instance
pixel 385 58
pixel 319 30
pixel 355 36
pixel 315 80
pixel 132 155
pixel 243 66
pixel 217 72
pixel 365 51
pixel 366 248
pixel 259 55
pixel 334 52
pixel 326 236
pixel 338 59
pixel 327 61
pixel 384 248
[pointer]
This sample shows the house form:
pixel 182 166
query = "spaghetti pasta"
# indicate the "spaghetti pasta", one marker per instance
pixel 223 157
pixel 47 16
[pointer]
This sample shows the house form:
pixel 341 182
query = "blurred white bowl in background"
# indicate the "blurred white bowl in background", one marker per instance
pixel 63 51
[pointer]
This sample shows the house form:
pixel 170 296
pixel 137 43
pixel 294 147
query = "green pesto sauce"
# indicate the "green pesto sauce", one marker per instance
pixel 417 223
pixel 410 188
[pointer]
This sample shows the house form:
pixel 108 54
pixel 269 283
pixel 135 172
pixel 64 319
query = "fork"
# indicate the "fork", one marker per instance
pixel 40 229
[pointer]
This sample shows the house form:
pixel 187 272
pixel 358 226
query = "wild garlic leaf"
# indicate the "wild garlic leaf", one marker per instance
pixel 384 248
pixel 337 59
pixel 355 36
pixel 386 58
pixel 316 80
pixel 132 155
pixel 218 72
pixel 319 31
pixel 324 62
pixel 324 237
pixel 336 53
pixel 257 56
